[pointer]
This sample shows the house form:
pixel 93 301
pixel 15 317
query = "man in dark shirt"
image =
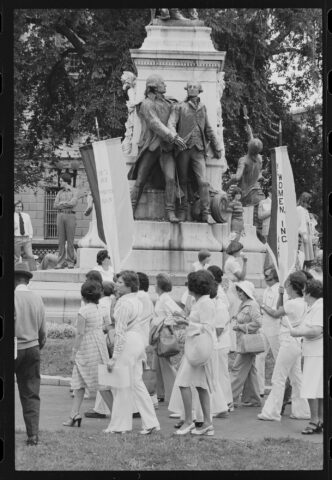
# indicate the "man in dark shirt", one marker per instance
pixel 30 334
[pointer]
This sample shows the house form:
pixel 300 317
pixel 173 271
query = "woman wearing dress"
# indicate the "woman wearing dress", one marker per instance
pixel 235 270
pixel 248 320
pixel 104 266
pixel 222 330
pixel 202 377
pixel 89 351
pixel 288 362
pixel 129 351
pixel 165 306
pixel 311 329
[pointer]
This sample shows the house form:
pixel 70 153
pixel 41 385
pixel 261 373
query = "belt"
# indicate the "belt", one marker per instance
pixel 66 211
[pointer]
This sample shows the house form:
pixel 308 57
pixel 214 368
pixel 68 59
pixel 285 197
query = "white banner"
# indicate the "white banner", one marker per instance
pixel 115 204
pixel 287 217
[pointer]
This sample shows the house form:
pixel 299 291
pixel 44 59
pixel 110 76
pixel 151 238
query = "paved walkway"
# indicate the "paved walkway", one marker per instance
pixel 242 424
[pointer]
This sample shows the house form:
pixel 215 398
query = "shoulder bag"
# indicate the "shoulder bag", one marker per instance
pixel 167 343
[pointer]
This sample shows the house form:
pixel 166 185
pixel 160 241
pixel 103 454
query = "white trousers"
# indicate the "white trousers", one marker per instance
pixel 224 378
pixel 125 398
pixel 272 342
pixel 100 405
pixel 288 364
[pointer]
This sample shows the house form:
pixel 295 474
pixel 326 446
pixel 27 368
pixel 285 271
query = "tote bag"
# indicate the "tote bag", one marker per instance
pixel 198 348
pixel 167 343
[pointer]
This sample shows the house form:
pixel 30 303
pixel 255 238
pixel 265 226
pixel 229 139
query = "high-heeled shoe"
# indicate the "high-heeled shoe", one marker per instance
pixel 72 421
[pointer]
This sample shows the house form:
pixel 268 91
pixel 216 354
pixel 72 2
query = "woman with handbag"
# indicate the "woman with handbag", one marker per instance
pixel 197 367
pixel 129 352
pixel 164 309
pixel 247 324
pixel 288 362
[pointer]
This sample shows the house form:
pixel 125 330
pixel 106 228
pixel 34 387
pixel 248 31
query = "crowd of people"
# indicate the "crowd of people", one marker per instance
pixel 118 325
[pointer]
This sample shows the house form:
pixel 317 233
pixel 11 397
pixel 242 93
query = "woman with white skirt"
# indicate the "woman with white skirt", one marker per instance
pixel 288 363
pixel 129 352
pixel 199 374
pixel 311 330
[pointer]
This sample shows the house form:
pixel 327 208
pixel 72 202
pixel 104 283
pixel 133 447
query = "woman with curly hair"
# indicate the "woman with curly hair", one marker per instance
pixel 129 352
pixel 104 266
pixel 288 362
pixel 89 351
pixel 201 376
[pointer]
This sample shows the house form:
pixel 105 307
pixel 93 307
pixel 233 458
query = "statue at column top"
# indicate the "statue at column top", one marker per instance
pixel 169 14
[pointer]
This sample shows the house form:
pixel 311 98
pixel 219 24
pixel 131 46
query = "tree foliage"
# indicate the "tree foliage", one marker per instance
pixel 53 107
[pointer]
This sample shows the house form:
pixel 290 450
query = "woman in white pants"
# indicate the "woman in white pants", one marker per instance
pixel 129 351
pixel 288 363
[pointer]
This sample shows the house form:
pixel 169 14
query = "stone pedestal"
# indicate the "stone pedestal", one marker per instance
pixel 166 247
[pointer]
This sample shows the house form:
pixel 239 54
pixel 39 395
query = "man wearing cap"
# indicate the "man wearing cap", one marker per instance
pixel 30 333
pixel 155 144
pixel 189 119
pixel 65 202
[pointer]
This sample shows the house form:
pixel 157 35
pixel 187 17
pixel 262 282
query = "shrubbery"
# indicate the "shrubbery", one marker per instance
pixel 60 330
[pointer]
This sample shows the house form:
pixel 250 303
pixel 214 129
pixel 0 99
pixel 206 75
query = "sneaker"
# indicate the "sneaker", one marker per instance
pixel 250 404
pixel 93 414
pixel 161 399
pixel 209 431
pixel 174 415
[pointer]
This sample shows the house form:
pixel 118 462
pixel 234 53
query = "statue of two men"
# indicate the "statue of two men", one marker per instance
pixel 156 144
pixel 176 135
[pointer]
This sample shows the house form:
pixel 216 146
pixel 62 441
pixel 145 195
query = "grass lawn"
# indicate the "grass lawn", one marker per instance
pixel 73 451
pixel 55 358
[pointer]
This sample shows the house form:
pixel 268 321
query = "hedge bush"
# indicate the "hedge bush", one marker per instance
pixel 60 330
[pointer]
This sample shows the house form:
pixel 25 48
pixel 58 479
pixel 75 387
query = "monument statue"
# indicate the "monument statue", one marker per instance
pixel 156 144
pixel 173 14
pixel 128 80
pixel 189 119
pixel 249 171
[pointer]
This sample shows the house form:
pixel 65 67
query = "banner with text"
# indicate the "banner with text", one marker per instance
pixel 283 233
pixel 107 176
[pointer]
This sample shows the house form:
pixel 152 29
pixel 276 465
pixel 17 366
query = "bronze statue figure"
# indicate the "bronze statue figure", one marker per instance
pixel 156 144
pixel 189 119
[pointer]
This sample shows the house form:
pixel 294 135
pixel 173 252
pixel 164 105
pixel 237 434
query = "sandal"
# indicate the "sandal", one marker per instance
pixel 309 430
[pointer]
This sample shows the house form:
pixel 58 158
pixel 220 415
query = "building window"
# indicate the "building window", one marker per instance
pixel 50 227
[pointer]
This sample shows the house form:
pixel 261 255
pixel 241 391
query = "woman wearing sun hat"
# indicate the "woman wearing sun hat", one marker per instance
pixel 235 270
pixel 248 320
